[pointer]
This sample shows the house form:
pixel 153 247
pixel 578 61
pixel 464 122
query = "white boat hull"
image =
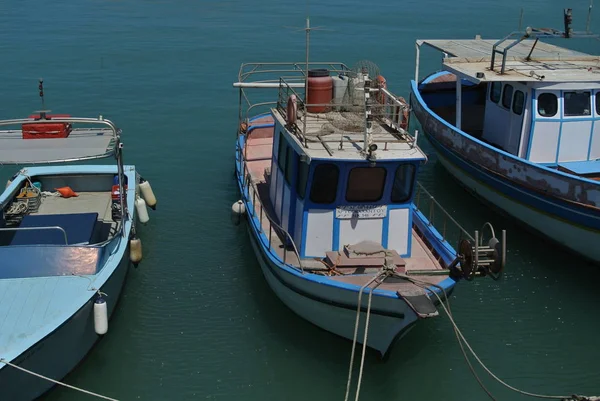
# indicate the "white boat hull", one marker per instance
pixel 383 331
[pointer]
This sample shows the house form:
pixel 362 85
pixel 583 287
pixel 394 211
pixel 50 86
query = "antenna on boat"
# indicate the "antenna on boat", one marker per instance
pixel 521 20
pixel 589 17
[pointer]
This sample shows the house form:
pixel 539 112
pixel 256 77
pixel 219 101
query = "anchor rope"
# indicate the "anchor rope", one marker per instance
pixel 382 273
pixel 2 360
pixel 425 285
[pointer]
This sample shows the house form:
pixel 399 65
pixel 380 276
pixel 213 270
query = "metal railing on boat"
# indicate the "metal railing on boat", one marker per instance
pixel 483 255
pixel 250 190
pixel 38 228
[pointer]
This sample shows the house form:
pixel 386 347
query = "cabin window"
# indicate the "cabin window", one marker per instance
pixel 403 183
pixel 495 92
pixel 302 179
pixel 365 184
pixel 507 96
pixel 289 167
pixel 577 104
pixel 547 104
pixel 518 102
pixel 325 183
pixel 281 152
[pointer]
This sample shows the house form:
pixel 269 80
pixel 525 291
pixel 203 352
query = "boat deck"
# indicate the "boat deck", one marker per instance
pixel 258 160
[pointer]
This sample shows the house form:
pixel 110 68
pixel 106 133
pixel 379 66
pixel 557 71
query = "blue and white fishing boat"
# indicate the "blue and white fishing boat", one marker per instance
pixel 328 183
pixel 517 122
pixel 67 238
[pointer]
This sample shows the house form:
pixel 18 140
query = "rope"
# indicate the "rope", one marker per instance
pixel 2 360
pixel 424 285
pixel 362 361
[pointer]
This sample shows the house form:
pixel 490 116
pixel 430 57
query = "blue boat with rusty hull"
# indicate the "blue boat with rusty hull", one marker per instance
pixel 67 238
pixel 328 185
pixel 517 122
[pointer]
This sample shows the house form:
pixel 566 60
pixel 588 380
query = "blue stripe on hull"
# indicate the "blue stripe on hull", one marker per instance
pixel 563 210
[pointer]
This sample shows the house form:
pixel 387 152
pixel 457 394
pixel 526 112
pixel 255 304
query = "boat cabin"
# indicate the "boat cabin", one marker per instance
pixel 534 100
pixel 338 173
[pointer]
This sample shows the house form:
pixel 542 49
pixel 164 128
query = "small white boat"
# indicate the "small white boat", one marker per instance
pixel 328 185
pixel 67 237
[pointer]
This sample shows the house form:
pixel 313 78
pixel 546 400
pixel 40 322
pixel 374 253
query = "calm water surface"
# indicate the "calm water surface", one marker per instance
pixel 196 320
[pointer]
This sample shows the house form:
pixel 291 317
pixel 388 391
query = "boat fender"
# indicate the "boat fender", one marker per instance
pixel 142 211
pixel 100 316
pixel 238 209
pixel 382 84
pixel 135 250
pixel 147 193
pixel 8 184
pixel 292 110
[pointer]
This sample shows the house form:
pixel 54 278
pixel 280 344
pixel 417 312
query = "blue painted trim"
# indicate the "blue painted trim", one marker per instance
pixel 335 241
pixel 593 106
pixel 533 118
pixel 385 229
pixel 561 106
pixel 509 156
pixel 303 233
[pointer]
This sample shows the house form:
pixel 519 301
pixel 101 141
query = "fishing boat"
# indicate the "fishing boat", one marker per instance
pixel 67 238
pixel 517 122
pixel 327 175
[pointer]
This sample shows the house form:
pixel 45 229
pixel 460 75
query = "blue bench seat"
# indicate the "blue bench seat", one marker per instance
pixel 79 228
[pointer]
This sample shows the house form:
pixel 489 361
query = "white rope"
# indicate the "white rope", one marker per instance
pixel 424 284
pixel 349 382
pixel 2 360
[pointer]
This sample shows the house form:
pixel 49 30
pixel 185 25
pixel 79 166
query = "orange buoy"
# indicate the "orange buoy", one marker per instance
pixel 292 110
pixel 405 113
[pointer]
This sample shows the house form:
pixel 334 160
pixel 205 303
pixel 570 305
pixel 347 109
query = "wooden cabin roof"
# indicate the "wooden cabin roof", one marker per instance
pixel 547 63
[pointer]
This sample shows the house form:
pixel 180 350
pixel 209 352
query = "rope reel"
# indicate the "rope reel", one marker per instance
pixel 478 258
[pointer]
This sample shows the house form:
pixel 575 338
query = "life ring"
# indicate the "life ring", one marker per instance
pixel 382 84
pixel 405 113
pixel 292 110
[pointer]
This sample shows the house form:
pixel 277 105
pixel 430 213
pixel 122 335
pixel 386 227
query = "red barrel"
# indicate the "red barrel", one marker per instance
pixel 320 90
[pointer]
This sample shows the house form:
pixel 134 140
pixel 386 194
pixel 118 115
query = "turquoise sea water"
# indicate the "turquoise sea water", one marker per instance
pixel 196 320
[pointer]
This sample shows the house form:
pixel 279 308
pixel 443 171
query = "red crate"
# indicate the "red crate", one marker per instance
pixel 47 129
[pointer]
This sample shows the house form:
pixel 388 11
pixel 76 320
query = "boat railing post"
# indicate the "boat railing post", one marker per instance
pixel 476 248
pixel 261 217
pixel 253 199
pixel 431 212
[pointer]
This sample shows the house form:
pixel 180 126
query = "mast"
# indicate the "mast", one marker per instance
pixel 307 29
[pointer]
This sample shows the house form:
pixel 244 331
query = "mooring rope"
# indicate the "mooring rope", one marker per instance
pixel 2 360
pixel 382 273
pixel 460 336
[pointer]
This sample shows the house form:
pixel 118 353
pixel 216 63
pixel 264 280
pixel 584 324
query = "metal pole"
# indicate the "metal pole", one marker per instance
pixel 458 102
pixel 417 63
pixel 121 175
pixel 306 79
pixel 589 17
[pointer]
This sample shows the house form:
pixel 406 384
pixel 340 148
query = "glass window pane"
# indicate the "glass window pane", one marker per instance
pixel 547 104
pixel 577 104
pixel 495 92
pixel 302 179
pixel 597 102
pixel 325 183
pixel 281 152
pixel 289 167
pixel 403 183
pixel 365 184
pixel 518 103
pixel 507 96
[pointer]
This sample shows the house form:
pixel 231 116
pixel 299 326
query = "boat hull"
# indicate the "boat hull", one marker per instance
pixel 334 309
pixel 516 187
pixel 62 350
